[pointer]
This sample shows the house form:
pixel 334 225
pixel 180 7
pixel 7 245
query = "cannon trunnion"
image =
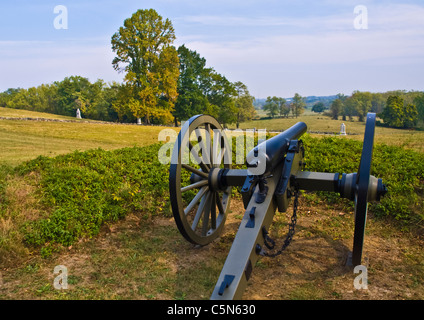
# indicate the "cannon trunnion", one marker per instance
pixel 201 181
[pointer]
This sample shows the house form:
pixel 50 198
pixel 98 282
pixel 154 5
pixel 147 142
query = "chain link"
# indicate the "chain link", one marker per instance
pixel 270 243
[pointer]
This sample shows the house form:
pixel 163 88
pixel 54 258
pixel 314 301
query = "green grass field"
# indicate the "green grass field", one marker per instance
pixel 24 140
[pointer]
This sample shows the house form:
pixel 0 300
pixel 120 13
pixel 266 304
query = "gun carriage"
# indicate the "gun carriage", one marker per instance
pixel 201 179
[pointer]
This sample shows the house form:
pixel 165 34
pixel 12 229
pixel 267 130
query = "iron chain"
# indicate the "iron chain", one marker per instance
pixel 270 243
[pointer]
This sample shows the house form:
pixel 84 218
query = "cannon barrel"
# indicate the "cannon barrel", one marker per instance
pixel 268 154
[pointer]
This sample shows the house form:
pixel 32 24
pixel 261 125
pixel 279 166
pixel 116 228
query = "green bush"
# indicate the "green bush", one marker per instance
pixel 87 189
pixel 402 172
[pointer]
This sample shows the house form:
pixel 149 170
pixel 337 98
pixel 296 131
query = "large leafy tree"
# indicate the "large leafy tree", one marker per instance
pixel 191 99
pixel 220 93
pixel 203 90
pixel 144 51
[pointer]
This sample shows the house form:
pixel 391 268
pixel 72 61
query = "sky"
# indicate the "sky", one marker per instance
pixel 275 47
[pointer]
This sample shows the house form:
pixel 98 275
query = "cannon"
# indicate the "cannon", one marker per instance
pixel 201 180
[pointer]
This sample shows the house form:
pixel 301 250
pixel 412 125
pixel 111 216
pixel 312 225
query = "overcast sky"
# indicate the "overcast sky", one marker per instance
pixel 275 47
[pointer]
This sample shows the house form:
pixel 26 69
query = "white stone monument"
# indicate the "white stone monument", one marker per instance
pixel 78 114
pixel 343 130
pixel 138 120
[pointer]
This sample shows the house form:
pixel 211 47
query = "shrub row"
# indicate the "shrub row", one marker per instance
pixel 82 191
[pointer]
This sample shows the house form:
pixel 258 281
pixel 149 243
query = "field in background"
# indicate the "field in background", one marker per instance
pixel 19 113
pixel 24 140
pixel 410 139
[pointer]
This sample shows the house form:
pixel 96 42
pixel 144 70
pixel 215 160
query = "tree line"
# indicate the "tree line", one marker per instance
pixel 277 106
pixel 162 84
pixel 399 109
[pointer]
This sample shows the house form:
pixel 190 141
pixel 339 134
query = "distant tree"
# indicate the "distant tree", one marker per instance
pixel 419 102
pixel 271 107
pixel 377 102
pixel 283 109
pixel 342 96
pixel 336 108
pixel 349 109
pixel 7 95
pixel 318 107
pixel 344 108
pixel 410 117
pixel 397 115
pixel 72 93
pixel 298 105
pixel 362 102
pixel 243 103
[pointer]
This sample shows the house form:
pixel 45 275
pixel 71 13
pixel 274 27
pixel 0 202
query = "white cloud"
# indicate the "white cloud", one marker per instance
pixel 333 52
pixel 394 32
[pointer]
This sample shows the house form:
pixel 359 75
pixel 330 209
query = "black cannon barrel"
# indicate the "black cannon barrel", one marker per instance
pixel 268 154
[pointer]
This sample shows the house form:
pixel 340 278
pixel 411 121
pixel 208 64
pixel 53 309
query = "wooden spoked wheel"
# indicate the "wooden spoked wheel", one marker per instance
pixel 199 208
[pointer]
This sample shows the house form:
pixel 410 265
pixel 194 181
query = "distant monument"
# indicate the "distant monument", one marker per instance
pixel 78 114
pixel 343 130
pixel 138 120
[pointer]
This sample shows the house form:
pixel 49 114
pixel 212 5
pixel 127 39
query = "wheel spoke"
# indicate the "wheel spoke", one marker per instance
pixel 199 211
pixel 208 130
pixel 219 203
pixel 196 199
pixel 213 211
pixel 220 157
pixel 205 167
pixel 195 185
pixel 206 214
pixel 219 149
pixel 195 171
pixel 202 145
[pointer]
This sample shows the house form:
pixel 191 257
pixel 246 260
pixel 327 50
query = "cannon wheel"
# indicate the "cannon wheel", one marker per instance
pixel 361 194
pixel 199 211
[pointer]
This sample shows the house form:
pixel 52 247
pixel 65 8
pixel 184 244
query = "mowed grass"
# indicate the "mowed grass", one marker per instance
pixel 410 139
pixel 19 113
pixel 25 140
